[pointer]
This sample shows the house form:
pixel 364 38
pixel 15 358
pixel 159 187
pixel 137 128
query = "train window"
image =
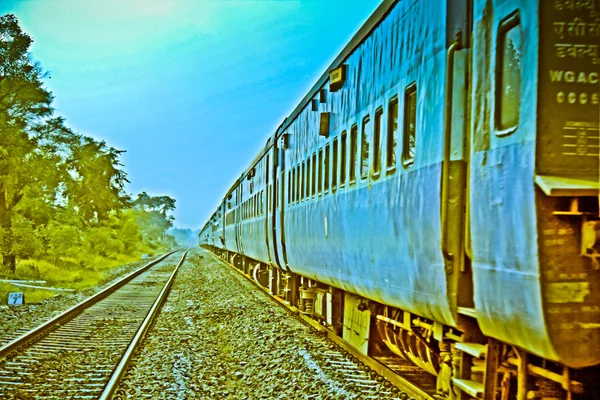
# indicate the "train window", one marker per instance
pixel 320 174
pixel 392 131
pixel 364 147
pixel 302 181
pixel 377 142
pixel 334 164
pixel 353 151
pixel 314 174
pixel 343 159
pixel 293 187
pixel 267 173
pixel 297 183
pixel 308 177
pixel 410 125
pixel 326 168
pixel 508 74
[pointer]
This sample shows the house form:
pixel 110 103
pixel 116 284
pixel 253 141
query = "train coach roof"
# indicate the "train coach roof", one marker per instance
pixel 364 31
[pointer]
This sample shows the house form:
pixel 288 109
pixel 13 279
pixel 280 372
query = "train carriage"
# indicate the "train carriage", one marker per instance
pixel 437 190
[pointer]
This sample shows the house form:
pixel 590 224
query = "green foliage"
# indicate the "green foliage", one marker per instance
pixel 46 168
pixel 64 214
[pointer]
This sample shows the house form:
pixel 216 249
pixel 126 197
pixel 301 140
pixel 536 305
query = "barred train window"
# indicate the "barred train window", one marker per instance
pixel 293 185
pixel 410 125
pixel 289 180
pixel 392 130
pixel 334 164
pixel 326 168
pixel 364 148
pixel 353 151
pixel 308 177
pixel 314 174
pixel 320 181
pixel 377 142
pixel 508 73
pixel 297 183
pixel 302 179
pixel 343 159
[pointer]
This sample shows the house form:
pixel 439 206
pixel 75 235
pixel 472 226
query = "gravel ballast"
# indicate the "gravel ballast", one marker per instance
pixel 218 336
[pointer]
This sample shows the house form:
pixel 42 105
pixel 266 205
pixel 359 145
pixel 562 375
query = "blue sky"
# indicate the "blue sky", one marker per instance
pixel 191 89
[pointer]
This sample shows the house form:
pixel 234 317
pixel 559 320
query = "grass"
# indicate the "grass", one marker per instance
pixel 31 295
pixel 69 273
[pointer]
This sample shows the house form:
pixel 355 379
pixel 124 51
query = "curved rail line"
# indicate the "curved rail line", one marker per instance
pixel 74 354
pixel 411 382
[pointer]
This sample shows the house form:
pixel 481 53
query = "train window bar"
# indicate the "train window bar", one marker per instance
pixel 409 138
pixel 364 147
pixel 343 166
pixel 508 75
pixel 353 152
pixel 391 139
pixel 377 143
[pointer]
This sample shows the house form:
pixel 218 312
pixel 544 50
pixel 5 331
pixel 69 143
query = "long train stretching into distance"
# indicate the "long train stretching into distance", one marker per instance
pixel 437 190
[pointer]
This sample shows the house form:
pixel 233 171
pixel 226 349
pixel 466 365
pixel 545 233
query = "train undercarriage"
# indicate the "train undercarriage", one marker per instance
pixel 466 364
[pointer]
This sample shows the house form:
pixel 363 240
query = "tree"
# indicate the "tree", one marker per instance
pixel 155 220
pixel 97 184
pixel 25 108
pixel 163 204
pixel 44 165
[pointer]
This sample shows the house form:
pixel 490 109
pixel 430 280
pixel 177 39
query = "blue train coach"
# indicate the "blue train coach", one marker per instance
pixel 437 192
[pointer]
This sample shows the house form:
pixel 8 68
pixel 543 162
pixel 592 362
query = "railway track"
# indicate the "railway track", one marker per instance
pixel 83 352
pixel 402 378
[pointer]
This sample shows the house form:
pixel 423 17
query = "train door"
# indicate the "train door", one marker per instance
pixel 272 208
pixel 280 203
pixel 455 154
pixel 267 200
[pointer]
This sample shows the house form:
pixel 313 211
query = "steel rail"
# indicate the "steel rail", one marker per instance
pixel 381 369
pixel 120 370
pixel 46 327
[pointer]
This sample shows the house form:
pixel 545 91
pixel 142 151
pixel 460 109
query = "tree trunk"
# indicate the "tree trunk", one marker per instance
pixel 8 259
